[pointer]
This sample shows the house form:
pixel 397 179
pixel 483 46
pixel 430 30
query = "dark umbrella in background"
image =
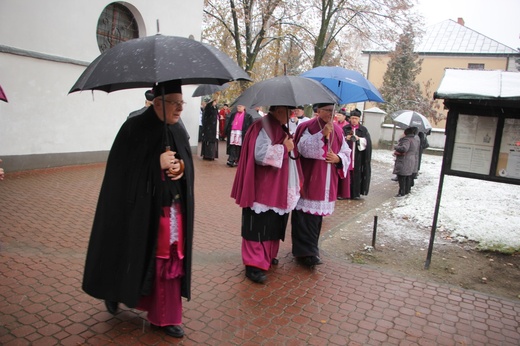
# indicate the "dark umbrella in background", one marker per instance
pixel 209 89
pixel 350 86
pixel 407 118
pixel 290 91
pixel 2 95
pixel 146 61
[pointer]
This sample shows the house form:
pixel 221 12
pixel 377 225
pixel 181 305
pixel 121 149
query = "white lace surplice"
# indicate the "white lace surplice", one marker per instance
pixel 267 154
pixel 311 147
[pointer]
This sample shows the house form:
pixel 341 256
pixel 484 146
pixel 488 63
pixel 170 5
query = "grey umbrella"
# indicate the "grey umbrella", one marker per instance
pixel 289 91
pixel 142 62
pixel 286 91
pixel 208 89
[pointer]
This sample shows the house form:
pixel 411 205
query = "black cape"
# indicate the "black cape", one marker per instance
pixel 360 179
pixel 121 253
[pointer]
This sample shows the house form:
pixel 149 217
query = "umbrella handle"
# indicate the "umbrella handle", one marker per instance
pixel 286 130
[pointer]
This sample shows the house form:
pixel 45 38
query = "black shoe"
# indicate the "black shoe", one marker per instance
pixel 399 195
pixel 310 261
pixel 274 261
pixel 356 198
pixel 112 307
pixel 255 275
pixel 315 260
pixel 394 179
pixel 229 163
pixel 175 331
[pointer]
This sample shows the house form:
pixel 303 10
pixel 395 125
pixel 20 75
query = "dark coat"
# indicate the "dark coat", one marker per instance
pixel 362 172
pixel 210 117
pixel 121 253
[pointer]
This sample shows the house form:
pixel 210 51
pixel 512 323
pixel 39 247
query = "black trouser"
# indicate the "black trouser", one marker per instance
pixel 404 184
pixel 305 233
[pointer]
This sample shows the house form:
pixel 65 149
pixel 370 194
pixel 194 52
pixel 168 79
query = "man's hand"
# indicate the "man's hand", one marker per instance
pixel 332 158
pixel 289 144
pixel 327 129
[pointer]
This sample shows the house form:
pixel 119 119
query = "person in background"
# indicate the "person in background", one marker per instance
pixel 260 111
pixel 341 119
pixel 404 152
pixel 210 119
pixel 140 248
pixel 267 187
pixel 358 138
pixel 223 113
pixel 201 113
pixel 236 128
pixel 324 158
pixel 2 173
pixel 299 118
pixel 417 145
pixel 149 96
pixel 423 136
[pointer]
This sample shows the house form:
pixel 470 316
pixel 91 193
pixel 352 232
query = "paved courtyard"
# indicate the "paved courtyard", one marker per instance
pixel 45 221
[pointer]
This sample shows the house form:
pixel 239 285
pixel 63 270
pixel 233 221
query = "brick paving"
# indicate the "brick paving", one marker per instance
pixel 45 220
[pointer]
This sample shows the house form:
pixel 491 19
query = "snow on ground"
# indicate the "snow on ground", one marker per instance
pixel 470 209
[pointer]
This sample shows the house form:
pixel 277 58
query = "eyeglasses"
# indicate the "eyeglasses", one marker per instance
pixel 327 110
pixel 176 103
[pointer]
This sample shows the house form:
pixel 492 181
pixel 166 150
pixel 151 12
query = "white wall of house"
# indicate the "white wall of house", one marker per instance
pixel 44 46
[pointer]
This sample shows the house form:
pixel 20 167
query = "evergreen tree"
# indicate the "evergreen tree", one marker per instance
pixel 400 90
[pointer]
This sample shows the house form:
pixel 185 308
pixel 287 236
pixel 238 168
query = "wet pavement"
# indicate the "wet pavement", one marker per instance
pixel 45 221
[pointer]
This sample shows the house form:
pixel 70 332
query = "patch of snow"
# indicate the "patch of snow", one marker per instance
pixel 470 209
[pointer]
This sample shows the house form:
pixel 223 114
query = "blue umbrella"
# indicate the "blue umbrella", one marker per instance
pixel 349 85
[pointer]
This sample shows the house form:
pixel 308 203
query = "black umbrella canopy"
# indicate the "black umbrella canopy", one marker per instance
pixel 208 89
pixel 142 62
pixel 286 91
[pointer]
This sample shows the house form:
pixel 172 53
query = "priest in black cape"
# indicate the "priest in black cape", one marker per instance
pixel 140 249
pixel 359 141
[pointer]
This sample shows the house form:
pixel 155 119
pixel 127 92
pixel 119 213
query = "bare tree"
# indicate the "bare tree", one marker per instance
pixel 339 27
pixel 249 23
pixel 292 36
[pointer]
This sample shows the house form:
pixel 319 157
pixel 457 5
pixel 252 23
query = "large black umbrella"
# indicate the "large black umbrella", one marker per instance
pixel 208 89
pixel 286 91
pixel 142 62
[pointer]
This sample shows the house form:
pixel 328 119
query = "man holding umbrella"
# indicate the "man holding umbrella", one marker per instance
pixel 140 249
pixel 265 166
pixel 325 158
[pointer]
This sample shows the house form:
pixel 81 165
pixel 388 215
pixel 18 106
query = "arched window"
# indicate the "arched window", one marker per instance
pixel 116 24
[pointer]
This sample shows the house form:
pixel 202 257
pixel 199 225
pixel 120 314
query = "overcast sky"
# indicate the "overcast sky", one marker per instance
pixel 497 19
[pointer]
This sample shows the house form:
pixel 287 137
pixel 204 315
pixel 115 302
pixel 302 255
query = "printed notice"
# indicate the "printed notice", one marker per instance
pixel 474 142
pixel 509 157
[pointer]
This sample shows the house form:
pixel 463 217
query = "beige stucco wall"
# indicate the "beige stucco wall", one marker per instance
pixel 433 67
